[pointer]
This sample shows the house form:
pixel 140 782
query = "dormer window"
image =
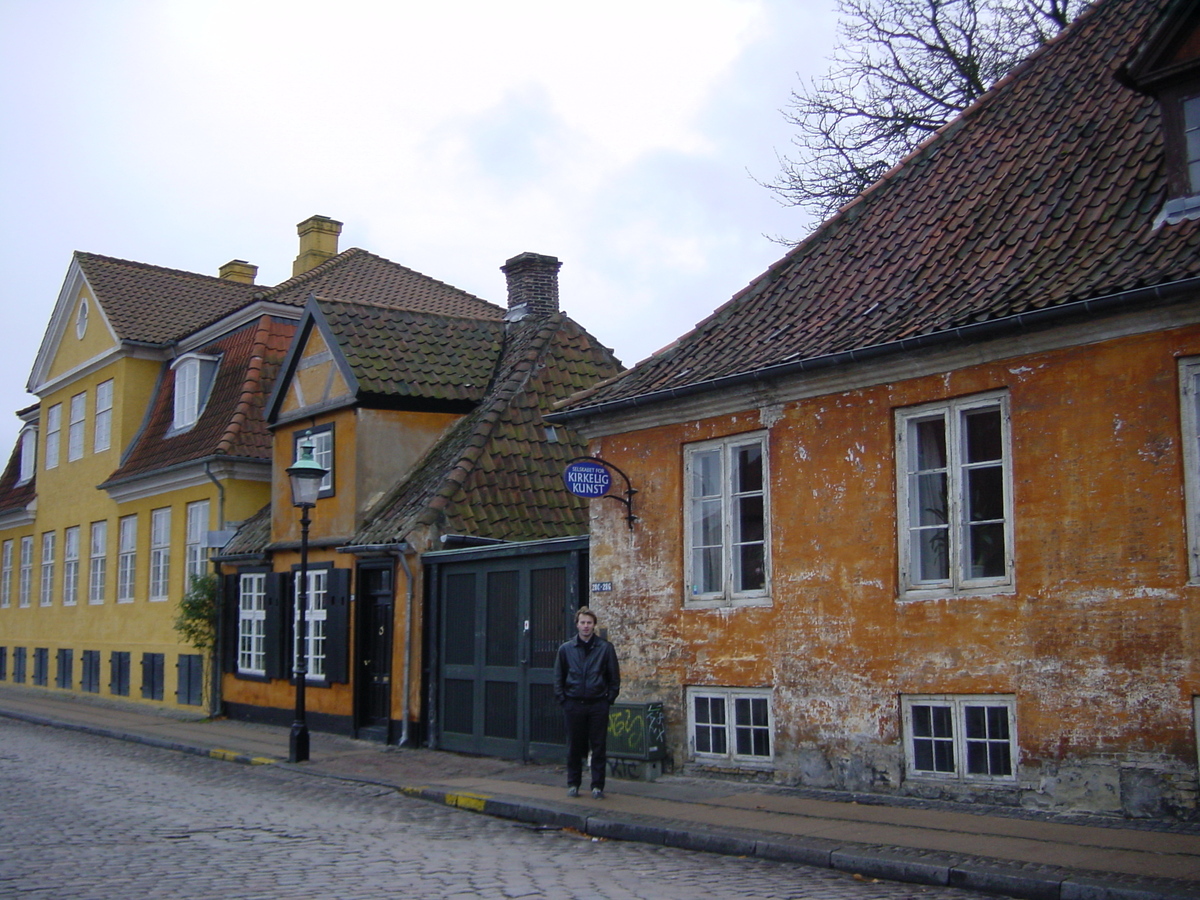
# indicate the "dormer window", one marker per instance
pixel 28 453
pixel 193 377
pixel 1191 140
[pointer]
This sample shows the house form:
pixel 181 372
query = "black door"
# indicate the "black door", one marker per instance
pixel 501 621
pixel 376 597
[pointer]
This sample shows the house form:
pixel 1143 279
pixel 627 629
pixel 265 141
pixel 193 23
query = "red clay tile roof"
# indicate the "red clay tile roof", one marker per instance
pixel 398 353
pixel 495 474
pixel 361 277
pixel 155 305
pixel 13 497
pixel 231 423
pixel 1043 193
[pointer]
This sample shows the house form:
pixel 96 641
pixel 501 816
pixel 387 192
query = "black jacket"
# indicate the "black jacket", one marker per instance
pixel 584 675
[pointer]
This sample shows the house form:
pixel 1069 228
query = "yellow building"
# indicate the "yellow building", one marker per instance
pixel 146 447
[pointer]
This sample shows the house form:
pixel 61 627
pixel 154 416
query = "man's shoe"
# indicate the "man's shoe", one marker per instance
pixel 597 794
pixel 573 791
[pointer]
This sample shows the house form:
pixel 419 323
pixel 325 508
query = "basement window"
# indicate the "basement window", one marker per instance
pixel 730 726
pixel 960 737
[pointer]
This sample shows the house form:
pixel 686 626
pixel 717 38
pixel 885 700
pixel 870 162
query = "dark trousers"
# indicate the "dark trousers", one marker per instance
pixel 587 728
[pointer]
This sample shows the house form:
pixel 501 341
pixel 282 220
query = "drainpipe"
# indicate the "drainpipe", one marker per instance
pixel 214 704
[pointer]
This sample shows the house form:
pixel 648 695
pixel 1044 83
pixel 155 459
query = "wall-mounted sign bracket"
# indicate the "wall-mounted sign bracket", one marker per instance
pixel 589 476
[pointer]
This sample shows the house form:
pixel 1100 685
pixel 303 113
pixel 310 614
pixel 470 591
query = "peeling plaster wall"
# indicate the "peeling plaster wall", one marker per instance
pixel 1097 641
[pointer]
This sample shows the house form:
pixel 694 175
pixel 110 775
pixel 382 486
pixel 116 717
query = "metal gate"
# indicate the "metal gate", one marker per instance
pixel 501 613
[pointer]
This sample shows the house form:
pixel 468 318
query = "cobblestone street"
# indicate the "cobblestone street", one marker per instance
pixel 86 817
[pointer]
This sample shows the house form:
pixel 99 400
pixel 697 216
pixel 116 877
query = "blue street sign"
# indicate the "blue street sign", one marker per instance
pixel 587 478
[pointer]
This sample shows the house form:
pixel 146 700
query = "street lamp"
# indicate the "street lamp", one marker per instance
pixel 306 477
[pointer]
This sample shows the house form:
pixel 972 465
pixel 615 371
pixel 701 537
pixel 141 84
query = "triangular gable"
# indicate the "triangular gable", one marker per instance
pixel 67 349
pixel 315 376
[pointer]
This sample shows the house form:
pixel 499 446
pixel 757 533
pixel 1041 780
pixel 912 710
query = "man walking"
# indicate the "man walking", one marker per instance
pixel 586 680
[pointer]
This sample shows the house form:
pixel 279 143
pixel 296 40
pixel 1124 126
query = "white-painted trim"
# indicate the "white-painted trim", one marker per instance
pixel 61 319
pixel 900 367
pixel 189 475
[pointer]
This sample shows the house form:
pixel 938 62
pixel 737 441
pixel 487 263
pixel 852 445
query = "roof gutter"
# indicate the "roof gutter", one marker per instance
pixel 979 331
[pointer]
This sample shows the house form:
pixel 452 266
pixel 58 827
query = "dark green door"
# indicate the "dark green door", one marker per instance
pixel 500 626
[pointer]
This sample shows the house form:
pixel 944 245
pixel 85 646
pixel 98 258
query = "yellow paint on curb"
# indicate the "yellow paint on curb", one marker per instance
pixel 234 756
pixel 475 802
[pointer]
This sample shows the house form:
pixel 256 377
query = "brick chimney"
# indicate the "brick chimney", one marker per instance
pixel 318 242
pixel 239 270
pixel 532 285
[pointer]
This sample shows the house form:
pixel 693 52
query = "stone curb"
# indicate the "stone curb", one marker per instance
pixel 160 743
pixel 944 872
pixel 998 879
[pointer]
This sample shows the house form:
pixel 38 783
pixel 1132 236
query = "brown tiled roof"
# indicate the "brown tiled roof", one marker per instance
pixel 495 474
pixel 1043 193
pixel 361 277
pixel 11 496
pixel 252 536
pixel 155 305
pixel 398 353
pixel 231 423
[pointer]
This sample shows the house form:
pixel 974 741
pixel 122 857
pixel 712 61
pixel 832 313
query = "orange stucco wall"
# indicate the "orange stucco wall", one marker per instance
pixel 1097 640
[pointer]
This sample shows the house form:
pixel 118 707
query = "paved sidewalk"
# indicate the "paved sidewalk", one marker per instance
pixel 1017 853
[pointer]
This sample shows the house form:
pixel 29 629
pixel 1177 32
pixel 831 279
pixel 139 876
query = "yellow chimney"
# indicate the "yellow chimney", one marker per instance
pixel 318 242
pixel 239 270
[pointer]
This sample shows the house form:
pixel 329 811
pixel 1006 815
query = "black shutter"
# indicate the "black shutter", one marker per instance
pixel 337 627
pixel 232 605
pixel 278 625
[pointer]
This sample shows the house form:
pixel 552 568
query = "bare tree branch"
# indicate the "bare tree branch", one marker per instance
pixel 900 71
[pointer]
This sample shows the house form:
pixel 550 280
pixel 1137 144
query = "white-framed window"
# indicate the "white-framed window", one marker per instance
pixel 53 434
pixel 160 553
pixel 81 318
pixel 102 426
pixel 252 623
pixel 70 586
pixel 78 411
pixel 954 484
pixel 196 562
pixel 6 573
pixel 321 439
pixel 960 737
pixel 193 376
pixel 731 726
pixel 1191 135
pixel 126 558
pixel 726 521
pixel 26 582
pixel 28 453
pixel 46 593
pixel 98 562
pixel 314 625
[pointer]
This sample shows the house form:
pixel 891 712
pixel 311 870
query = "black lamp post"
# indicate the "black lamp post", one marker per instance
pixel 306 477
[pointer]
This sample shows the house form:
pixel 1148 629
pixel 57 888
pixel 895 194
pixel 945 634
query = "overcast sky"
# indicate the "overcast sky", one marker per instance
pixel 621 137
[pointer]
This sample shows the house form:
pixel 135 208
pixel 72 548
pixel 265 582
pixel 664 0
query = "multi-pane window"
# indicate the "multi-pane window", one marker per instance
pixel 1189 384
pixel 78 411
pixel 26 576
pixel 98 562
pixel 46 595
pixel 28 453
pixel 187 392
pixel 126 558
pixel 102 425
pixel 730 725
pixel 966 738
pixel 70 586
pixel 160 553
pixel 314 631
pixel 252 623
pixel 53 434
pixel 196 564
pixel 6 573
pixel 1191 133
pixel 321 439
pixel 726 521
pixel 954 484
